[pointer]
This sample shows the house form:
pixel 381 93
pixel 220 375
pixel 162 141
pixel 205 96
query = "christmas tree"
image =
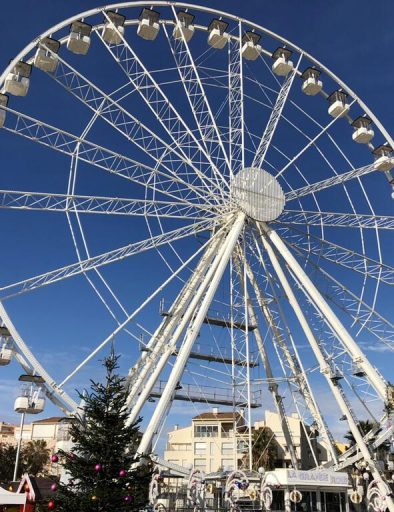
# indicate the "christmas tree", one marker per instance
pixel 100 463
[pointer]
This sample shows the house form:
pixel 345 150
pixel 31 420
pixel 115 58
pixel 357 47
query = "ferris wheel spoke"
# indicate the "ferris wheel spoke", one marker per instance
pixel 158 102
pixel 275 117
pixel 331 182
pixel 310 143
pixel 98 156
pixel 236 104
pixel 196 95
pixel 342 256
pixel 100 205
pixel 104 259
pixel 336 219
pixel 122 121
pixel 138 373
pixel 362 314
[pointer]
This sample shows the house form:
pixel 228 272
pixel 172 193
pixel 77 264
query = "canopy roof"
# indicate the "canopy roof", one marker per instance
pixel 11 498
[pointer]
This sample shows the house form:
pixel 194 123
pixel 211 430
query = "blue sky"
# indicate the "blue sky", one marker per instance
pixel 354 39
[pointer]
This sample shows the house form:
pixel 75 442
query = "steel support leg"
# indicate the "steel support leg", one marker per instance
pixel 335 387
pixel 158 341
pixel 191 335
pixel 351 346
pixel 168 344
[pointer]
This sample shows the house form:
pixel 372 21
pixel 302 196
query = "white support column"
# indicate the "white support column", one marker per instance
pixel 191 335
pixel 166 348
pixel 157 342
pixel 335 387
pixel 351 346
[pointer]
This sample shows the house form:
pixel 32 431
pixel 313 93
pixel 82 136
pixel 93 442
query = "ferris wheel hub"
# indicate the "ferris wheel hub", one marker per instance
pixel 258 194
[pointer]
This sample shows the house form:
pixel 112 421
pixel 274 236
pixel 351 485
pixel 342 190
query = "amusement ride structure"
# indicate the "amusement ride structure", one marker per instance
pixel 251 176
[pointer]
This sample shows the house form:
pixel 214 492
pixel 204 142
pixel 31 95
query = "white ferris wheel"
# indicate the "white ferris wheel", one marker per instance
pixel 171 152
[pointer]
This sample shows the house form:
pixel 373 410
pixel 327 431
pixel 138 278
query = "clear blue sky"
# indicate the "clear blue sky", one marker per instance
pixel 353 38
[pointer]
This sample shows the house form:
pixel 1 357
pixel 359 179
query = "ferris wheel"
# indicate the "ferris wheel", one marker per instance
pixel 171 152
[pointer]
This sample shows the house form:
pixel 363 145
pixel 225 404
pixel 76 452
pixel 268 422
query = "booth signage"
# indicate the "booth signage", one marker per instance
pixel 297 476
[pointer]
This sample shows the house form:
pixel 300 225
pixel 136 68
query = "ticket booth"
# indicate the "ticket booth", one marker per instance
pixel 295 490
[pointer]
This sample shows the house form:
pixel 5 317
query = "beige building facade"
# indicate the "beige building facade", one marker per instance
pixel 7 433
pixel 209 443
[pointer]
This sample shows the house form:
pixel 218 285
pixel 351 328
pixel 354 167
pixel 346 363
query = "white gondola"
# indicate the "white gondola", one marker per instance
pixel 383 159
pixel 184 27
pixel 250 48
pixel 282 64
pixel 148 27
pixel 335 375
pixel 30 400
pixel 46 55
pixel 79 39
pixel 217 35
pixel 6 351
pixel 17 81
pixel 113 29
pixel 311 85
pixel 363 133
pixel 3 113
pixel 5 354
pixel 357 371
pixel 338 106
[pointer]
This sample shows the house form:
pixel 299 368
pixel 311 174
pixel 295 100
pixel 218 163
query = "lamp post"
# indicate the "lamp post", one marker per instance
pixel 18 449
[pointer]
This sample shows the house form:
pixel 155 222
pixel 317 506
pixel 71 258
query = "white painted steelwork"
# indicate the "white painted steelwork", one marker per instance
pixel 205 166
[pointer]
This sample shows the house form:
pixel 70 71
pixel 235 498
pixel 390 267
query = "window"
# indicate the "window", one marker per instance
pixel 200 448
pixel 227 464
pixel 180 447
pixel 200 464
pixel 205 431
pixel 227 448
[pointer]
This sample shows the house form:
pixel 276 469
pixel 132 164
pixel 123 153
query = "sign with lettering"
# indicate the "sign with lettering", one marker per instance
pixel 298 477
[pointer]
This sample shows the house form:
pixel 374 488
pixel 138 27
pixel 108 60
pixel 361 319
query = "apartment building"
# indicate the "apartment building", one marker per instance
pixel 48 429
pixel 210 444
pixel 7 433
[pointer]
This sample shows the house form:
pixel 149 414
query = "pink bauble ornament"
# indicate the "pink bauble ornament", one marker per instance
pixel 54 487
pixel 128 498
pixel 51 505
pixel 98 467
pixel 55 458
pixel 122 473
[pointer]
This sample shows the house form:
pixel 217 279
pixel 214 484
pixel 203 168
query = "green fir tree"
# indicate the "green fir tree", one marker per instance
pixel 104 451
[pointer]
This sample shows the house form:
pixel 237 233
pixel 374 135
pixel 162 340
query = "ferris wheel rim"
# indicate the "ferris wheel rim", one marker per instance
pixel 165 3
